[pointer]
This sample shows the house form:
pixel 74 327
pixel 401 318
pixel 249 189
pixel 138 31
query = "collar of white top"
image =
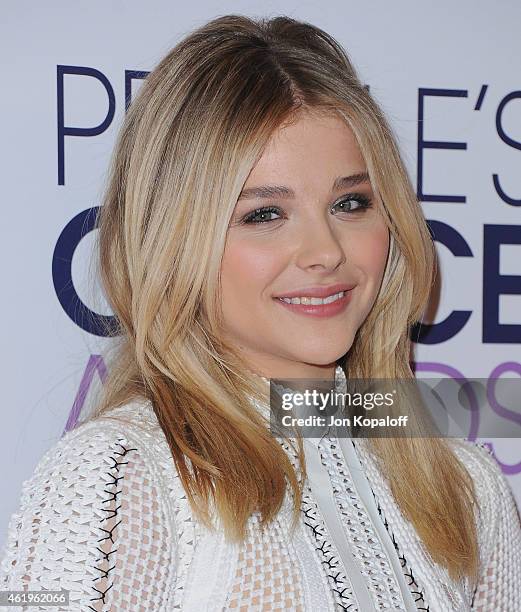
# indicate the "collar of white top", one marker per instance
pixel 340 378
pixel 340 381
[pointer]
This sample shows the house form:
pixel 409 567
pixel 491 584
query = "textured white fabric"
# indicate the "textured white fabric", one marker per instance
pixel 105 517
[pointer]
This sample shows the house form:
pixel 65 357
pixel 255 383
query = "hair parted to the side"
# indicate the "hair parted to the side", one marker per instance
pixel 188 142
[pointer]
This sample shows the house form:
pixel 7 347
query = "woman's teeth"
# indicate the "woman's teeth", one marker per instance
pixel 313 301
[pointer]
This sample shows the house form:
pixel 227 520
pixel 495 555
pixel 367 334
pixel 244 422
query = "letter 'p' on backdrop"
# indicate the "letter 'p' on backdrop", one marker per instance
pixel 448 76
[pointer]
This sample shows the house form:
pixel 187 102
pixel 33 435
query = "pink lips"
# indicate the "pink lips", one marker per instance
pixel 318 310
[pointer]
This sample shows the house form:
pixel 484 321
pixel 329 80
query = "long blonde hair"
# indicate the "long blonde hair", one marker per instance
pixel 188 142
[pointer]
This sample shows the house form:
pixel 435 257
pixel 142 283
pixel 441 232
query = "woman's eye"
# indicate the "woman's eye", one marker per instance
pixel 354 203
pixel 262 215
pixel 351 204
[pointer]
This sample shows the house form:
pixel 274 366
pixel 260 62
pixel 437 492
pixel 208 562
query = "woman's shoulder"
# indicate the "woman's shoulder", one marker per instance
pixel 121 455
pixel 497 511
pixel 493 492
pixel 123 446
pixel 102 483
pixel 479 460
pixel 99 442
pixel 498 526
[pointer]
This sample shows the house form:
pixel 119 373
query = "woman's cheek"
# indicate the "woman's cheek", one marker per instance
pixel 371 249
pixel 254 265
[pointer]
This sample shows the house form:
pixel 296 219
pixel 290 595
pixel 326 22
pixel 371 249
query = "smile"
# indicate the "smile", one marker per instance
pixel 313 300
pixel 328 306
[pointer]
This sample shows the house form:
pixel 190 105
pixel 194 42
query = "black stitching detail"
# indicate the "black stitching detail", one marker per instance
pixel 420 599
pixel 337 489
pixel 105 573
pixel 102 594
pixel 109 532
pixel 338 580
pixel 340 585
pixel 113 496
pixel 112 490
pixel 115 512
pixel 308 513
pixel 115 479
pixel 105 556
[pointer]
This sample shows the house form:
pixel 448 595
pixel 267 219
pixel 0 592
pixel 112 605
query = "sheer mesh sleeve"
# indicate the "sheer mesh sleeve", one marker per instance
pixel 499 586
pixel 92 521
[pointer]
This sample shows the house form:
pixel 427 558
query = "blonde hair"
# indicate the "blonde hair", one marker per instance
pixel 188 142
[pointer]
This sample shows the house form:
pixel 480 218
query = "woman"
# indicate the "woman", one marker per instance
pixel 253 173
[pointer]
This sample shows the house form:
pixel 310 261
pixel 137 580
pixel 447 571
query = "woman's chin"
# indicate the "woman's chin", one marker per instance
pixel 321 358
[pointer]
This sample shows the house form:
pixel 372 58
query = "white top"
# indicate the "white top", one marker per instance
pixel 324 495
pixel 105 516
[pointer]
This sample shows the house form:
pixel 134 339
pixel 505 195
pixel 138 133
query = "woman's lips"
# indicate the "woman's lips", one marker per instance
pixel 319 310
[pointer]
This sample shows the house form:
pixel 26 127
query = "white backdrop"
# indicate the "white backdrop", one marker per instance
pixel 451 68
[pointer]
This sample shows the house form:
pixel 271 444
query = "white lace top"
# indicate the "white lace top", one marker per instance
pixel 105 517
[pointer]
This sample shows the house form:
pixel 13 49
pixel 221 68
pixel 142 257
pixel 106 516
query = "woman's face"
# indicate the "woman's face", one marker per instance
pixel 306 226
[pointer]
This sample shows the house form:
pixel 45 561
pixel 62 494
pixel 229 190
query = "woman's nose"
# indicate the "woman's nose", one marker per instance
pixel 319 246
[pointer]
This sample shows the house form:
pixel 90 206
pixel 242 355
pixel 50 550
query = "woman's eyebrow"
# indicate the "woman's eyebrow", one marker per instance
pixel 281 191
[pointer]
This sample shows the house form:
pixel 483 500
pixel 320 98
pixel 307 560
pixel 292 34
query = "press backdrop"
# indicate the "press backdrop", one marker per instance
pixel 448 76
